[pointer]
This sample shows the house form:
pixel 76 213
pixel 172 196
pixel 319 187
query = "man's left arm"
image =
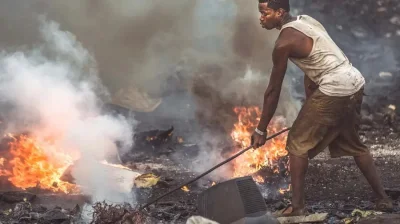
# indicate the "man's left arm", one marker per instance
pixel 280 57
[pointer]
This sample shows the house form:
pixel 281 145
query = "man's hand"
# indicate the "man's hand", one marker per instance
pixel 258 140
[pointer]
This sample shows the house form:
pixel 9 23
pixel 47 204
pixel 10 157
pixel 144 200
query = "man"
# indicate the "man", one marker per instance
pixel 331 114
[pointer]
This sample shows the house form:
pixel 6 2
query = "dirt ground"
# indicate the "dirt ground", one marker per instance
pixel 335 186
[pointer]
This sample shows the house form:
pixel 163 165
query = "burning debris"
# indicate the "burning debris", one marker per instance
pixel 268 157
pixel 104 213
pixel 17 196
pixel 185 189
pixel 146 180
pixel 154 137
pixel 26 212
pixel 32 164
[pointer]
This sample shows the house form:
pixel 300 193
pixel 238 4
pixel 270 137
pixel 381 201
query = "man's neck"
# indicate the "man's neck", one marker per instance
pixel 287 18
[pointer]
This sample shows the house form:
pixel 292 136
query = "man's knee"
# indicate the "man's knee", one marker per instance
pixel 302 156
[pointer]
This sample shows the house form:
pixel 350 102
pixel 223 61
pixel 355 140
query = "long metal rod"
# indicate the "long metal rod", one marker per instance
pixel 210 170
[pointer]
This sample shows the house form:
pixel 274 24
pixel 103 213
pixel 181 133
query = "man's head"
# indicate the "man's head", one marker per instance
pixel 272 12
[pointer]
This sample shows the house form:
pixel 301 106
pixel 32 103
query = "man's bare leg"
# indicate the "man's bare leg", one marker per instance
pixel 298 170
pixel 366 164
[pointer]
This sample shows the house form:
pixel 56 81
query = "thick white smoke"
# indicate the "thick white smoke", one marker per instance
pixel 53 91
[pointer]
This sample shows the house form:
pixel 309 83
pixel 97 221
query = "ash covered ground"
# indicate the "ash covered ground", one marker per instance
pixel 335 186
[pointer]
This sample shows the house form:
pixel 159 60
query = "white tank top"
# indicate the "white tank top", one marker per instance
pixel 326 65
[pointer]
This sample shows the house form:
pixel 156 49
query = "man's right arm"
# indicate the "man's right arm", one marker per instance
pixel 309 86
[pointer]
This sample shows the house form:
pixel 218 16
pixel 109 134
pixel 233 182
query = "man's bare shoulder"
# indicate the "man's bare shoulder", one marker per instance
pixel 289 36
pixel 296 43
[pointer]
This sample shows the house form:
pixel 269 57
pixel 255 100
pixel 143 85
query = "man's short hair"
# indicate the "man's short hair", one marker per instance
pixel 277 4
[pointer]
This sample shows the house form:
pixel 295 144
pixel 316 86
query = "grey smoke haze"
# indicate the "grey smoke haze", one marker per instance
pixel 136 43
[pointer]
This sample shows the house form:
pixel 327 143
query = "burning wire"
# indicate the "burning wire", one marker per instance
pixel 210 170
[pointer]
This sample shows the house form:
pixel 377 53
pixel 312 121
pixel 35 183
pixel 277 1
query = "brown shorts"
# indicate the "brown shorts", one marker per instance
pixel 327 121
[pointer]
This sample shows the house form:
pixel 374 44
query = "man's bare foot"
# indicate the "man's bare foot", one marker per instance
pixel 290 211
pixel 384 205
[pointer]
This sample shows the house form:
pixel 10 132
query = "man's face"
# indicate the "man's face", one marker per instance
pixel 269 18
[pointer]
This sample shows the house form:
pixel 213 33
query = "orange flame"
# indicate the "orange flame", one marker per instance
pixel 33 165
pixel 3 172
pixel 252 161
pixel 104 162
pixel 185 189
pixel 282 191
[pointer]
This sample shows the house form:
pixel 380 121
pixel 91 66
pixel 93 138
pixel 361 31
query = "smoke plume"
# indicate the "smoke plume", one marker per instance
pixel 53 90
pixel 141 43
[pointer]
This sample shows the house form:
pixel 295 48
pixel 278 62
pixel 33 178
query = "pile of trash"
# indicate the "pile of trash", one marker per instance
pixel 24 212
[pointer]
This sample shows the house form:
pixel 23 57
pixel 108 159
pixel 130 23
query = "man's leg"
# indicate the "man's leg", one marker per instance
pixel 345 145
pixel 349 143
pixel 298 170
pixel 366 164
pixel 312 131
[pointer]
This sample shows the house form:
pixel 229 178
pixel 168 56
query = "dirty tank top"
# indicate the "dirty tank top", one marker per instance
pixel 326 65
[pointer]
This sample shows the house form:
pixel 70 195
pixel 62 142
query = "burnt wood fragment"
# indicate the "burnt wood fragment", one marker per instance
pixel 17 196
pixel 153 137
pixel 55 216
pixel 166 203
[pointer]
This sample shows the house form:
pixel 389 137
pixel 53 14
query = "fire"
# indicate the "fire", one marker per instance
pixel 3 172
pixel 185 189
pixel 180 140
pixel 282 191
pixel 252 161
pixel 104 162
pixel 33 164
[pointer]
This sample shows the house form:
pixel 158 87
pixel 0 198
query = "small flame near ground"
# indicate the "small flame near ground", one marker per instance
pixel 185 189
pixel 283 191
pixel 105 162
pixel 254 160
pixel 35 165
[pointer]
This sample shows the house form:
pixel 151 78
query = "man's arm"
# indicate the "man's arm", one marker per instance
pixel 280 57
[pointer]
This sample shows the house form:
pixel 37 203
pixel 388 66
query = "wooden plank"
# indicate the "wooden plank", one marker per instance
pixel 319 217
